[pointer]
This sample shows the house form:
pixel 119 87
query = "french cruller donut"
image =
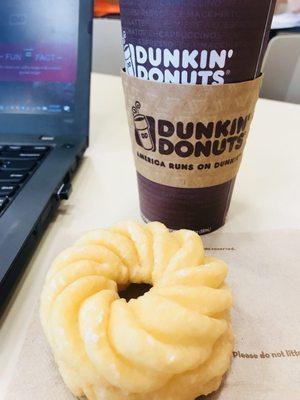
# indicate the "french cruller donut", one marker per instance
pixel 172 343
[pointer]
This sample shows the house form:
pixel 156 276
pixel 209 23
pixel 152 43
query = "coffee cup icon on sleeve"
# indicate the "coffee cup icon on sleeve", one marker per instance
pixel 142 128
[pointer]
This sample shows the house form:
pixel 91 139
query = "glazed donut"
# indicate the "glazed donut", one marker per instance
pixel 172 343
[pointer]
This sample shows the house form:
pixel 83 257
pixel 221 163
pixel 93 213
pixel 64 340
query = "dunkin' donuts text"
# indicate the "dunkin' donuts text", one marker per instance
pixel 175 66
pixel 197 139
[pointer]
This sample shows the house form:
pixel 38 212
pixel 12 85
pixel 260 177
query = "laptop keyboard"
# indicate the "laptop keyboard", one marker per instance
pixel 17 165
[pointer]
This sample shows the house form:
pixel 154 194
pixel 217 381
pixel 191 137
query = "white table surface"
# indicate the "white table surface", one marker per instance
pixel 266 197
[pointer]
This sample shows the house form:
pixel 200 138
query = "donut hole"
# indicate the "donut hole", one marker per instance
pixel 134 290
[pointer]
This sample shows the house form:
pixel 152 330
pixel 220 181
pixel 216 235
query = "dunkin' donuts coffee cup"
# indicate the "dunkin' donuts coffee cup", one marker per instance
pixel 188 134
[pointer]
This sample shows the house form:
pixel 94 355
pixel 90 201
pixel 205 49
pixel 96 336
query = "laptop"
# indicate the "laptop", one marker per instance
pixel 45 66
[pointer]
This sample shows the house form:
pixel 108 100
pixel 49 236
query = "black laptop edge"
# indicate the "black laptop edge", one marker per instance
pixel 25 221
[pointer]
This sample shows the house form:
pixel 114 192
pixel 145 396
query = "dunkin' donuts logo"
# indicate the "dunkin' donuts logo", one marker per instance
pixel 177 66
pixel 168 138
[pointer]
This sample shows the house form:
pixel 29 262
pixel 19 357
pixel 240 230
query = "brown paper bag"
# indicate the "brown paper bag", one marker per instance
pixel 264 277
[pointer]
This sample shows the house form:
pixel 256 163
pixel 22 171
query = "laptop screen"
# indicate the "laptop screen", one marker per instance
pixel 38 56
